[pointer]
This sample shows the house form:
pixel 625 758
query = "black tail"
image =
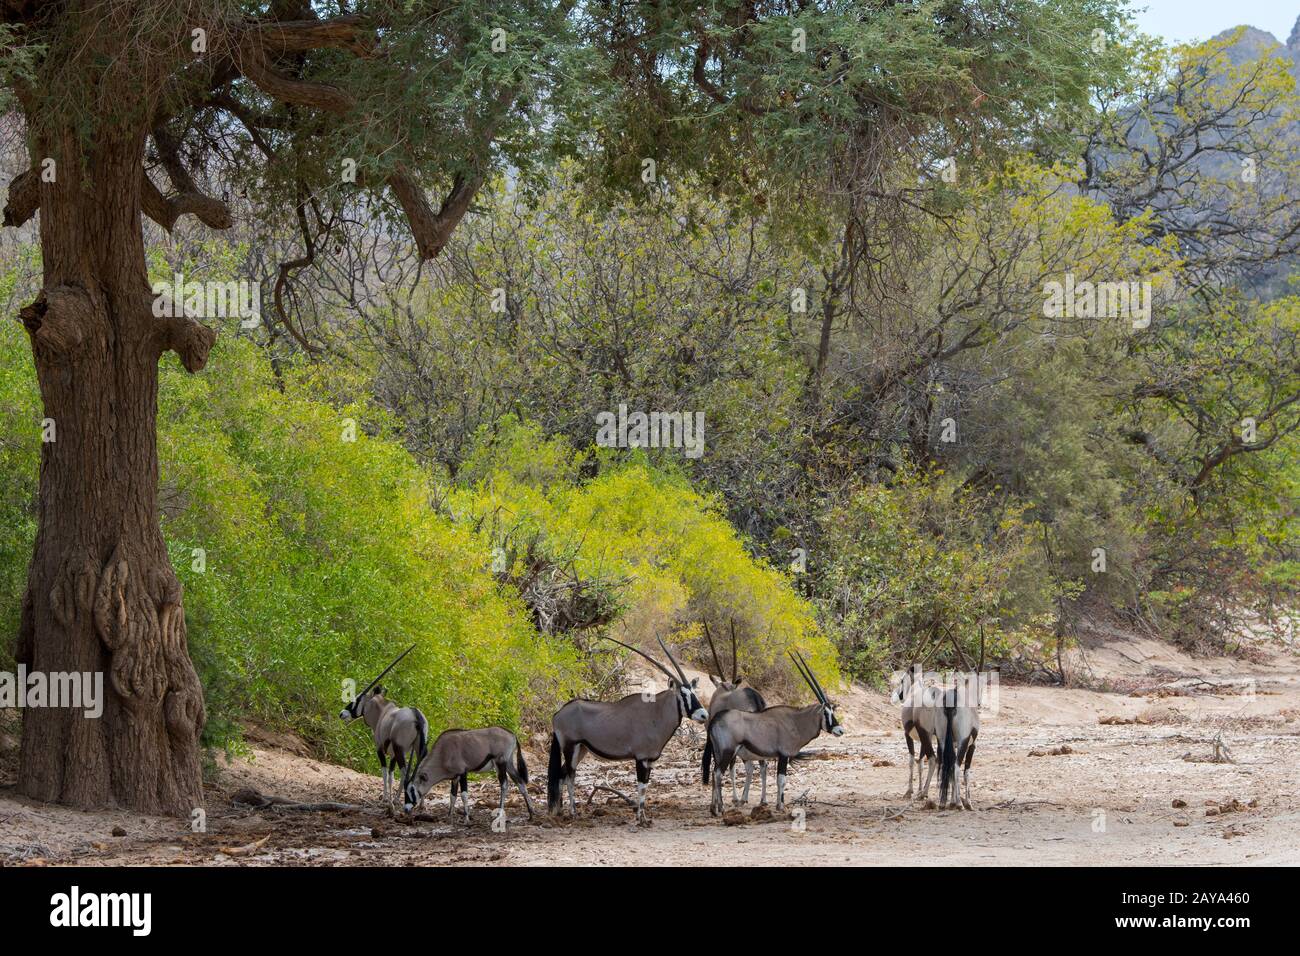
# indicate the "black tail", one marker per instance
pixel 708 759
pixel 520 765
pixel 553 776
pixel 422 731
pixel 948 762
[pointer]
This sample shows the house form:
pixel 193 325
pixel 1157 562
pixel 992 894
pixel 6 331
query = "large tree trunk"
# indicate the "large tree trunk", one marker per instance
pixel 101 595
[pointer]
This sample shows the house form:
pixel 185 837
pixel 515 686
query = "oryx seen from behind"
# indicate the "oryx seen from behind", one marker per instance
pixel 457 753
pixel 638 727
pixel 921 714
pixel 959 727
pixel 401 733
pixel 729 695
pixel 779 732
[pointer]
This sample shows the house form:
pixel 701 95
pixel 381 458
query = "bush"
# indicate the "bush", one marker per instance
pixel 683 561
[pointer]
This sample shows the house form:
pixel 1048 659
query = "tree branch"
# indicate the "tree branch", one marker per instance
pixel 301 36
pixel 164 211
pixel 432 230
pixel 257 67
pixel 57 319
pixel 191 340
pixel 24 198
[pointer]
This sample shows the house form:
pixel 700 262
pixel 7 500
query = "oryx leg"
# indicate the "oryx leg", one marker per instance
pixel 931 758
pixel 969 755
pixel 912 762
pixel 734 799
pixel 517 777
pixel 642 785
pixel 715 797
pixel 572 773
pixel 762 770
pixel 749 776
pixel 782 764
pixel 505 788
pixel 451 805
pixel 464 793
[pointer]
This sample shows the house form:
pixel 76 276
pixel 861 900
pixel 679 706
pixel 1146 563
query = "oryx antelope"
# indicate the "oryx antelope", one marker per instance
pixel 729 695
pixel 779 732
pixel 921 714
pixel 634 728
pixel 457 753
pixel 959 727
pixel 401 733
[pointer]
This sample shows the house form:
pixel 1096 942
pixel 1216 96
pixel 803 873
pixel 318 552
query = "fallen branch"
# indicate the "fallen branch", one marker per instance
pixel 261 801
pixel 622 796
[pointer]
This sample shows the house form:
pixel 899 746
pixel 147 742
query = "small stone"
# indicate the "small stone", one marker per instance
pixel 1179 804
pixel 119 831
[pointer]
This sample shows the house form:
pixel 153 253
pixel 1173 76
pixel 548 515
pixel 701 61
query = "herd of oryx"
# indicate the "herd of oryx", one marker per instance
pixel 940 723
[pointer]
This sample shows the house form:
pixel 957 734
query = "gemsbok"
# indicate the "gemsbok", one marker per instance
pixel 638 727
pixel 457 753
pixel 401 733
pixel 779 732
pixel 921 714
pixel 729 695
pixel 960 727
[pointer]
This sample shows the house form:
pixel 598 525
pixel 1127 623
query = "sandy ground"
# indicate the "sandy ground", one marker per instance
pixel 1140 788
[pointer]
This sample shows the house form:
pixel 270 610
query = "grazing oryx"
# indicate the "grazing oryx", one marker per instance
pixel 922 715
pixel 960 726
pixel 779 732
pixel 729 695
pixel 634 728
pixel 401 733
pixel 457 753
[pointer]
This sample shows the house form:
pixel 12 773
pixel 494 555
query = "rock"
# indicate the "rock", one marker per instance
pixel 119 831
pixel 1179 804
pixel 1181 823
pixel 883 763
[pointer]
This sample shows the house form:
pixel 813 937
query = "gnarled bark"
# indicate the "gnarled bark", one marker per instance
pixel 101 593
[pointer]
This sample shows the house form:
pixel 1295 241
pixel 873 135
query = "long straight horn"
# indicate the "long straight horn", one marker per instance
pixel 716 663
pixel 735 660
pixel 386 670
pixel 798 665
pixel 681 674
pixel 808 676
pixel 637 650
pixel 816 683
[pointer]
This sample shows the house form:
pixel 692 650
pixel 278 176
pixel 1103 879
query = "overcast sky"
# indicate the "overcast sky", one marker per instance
pixel 1184 20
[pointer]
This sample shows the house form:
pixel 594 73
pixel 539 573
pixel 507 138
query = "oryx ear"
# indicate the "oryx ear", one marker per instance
pixel 695 682
pixel 716 680
pixel 379 690
pixel 740 679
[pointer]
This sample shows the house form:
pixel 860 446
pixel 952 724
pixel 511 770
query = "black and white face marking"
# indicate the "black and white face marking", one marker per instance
pixel 416 789
pixel 830 722
pixel 355 709
pixel 691 704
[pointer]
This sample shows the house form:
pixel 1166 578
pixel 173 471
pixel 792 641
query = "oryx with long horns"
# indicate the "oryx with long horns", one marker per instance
pixel 729 695
pixel 635 728
pixel 958 729
pixel 921 714
pixel 401 733
pixel 458 753
pixel 779 732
